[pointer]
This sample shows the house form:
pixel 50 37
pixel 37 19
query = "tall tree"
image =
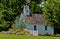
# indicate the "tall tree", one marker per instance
pixel 35 8
pixel 52 13
pixel 37 1
pixel 12 9
pixel 48 11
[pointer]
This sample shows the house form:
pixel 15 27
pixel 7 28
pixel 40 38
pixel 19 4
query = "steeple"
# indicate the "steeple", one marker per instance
pixel 26 10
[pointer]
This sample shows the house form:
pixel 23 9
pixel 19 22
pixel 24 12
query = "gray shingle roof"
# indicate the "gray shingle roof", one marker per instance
pixel 34 19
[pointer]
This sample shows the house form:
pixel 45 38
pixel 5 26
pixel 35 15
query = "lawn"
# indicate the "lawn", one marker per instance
pixel 4 36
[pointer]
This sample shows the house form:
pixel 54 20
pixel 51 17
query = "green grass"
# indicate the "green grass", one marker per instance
pixel 4 36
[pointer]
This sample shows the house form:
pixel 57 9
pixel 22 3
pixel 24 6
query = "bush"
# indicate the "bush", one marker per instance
pixel 47 34
pixel 3 28
pixel 56 35
pixel 14 26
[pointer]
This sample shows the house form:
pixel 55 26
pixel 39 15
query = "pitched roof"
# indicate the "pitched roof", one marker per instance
pixel 34 19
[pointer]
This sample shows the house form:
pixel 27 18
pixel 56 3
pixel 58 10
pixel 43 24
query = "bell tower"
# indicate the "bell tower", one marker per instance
pixel 26 9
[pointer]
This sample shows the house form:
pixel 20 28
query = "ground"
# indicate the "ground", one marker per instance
pixel 8 36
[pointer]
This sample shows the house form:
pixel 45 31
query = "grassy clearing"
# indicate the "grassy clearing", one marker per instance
pixel 4 36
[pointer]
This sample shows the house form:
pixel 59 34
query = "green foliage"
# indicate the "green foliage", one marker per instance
pixel 52 13
pixel 47 34
pixel 35 8
pixel 37 1
pixel 57 12
pixel 9 9
pixel 49 11
pixel 14 26
pixel 21 24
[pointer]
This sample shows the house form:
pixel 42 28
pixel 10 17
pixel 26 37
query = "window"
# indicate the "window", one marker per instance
pixel 34 27
pixel 27 11
pixel 45 27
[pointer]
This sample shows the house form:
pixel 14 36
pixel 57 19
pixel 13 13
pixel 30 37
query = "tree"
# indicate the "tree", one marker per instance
pixel 37 1
pixel 48 12
pixel 2 21
pixel 20 22
pixel 52 13
pixel 34 8
pixel 9 9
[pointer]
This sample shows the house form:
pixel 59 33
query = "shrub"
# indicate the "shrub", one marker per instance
pixel 3 28
pixel 14 26
pixel 56 35
pixel 47 34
